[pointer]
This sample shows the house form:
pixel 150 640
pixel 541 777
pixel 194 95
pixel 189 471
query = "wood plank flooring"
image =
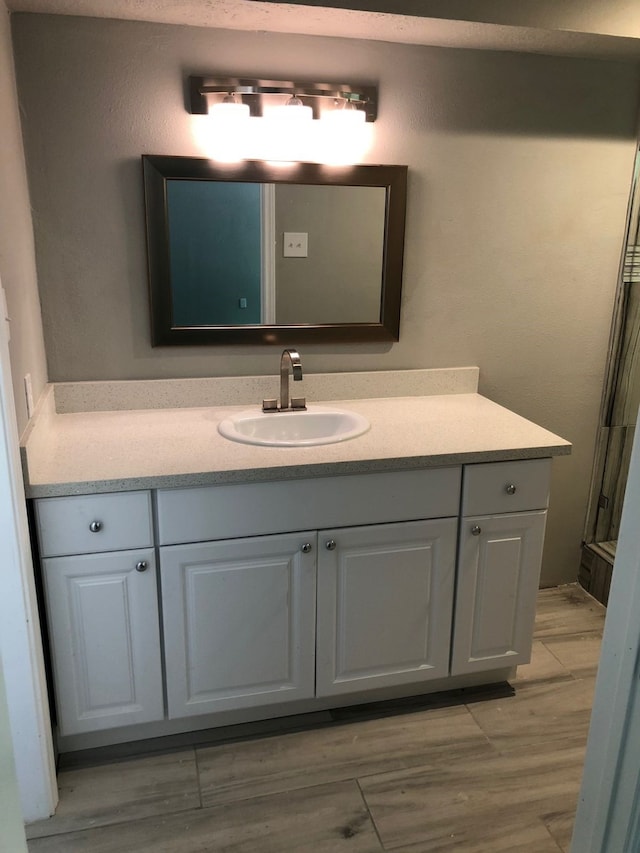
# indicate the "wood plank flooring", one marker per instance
pixel 480 771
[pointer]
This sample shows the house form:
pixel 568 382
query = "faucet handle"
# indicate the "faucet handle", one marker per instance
pixel 299 403
pixel 269 405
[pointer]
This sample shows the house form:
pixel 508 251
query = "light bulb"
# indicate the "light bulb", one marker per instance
pixel 293 110
pixel 346 114
pixel 229 108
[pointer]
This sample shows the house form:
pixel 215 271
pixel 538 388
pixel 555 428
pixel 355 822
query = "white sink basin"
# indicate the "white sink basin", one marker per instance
pixel 316 425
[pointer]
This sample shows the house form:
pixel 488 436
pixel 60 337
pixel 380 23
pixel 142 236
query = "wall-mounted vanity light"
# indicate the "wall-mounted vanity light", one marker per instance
pixel 207 94
pixel 281 113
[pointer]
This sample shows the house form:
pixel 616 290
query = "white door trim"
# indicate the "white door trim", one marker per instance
pixel 609 802
pixel 268 243
pixel 20 640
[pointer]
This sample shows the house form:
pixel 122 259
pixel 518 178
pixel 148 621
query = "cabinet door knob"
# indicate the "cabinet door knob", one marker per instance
pixel 142 566
pixel 475 530
pixel 330 545
pixel 510 488
pixel 306 548
pixel 95 526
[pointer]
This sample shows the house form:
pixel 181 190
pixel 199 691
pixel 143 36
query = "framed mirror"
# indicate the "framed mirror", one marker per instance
pixel 255 253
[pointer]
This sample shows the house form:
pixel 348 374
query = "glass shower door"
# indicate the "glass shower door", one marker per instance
pixel 625 391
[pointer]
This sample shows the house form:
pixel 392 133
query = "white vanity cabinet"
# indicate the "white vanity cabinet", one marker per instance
pixel 287 596
pixel 242 627
pixel 239 622
pixel 385 600
pixel 102 610
pixel 240 614
pixel 499 559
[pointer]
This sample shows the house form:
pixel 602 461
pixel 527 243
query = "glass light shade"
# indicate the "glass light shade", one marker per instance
pixel 293 110
pixel 345 116
pixel 229 110
pixel 293 113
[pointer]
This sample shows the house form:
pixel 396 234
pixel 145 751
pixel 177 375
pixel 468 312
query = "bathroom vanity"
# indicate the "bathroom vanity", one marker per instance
pixel 221 582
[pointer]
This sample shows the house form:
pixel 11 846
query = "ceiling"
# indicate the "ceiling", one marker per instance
pixel 349 23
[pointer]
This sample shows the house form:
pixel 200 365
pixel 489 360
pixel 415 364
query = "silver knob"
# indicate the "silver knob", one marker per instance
pixel 330 545
pixel 95 526
pixel 475 530
pixel 142 566
pixel 510 489
pixel 306 548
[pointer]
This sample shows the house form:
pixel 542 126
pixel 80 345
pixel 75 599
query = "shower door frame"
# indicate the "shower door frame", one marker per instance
pixel 613 368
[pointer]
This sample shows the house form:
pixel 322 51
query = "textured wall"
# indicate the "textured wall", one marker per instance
pixel 17 258
pixel 11 824
pixel 519 174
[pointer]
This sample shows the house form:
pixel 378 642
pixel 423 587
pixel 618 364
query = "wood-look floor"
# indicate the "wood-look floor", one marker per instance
pixel 471 772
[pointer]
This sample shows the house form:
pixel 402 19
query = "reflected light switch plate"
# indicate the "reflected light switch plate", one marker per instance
pixel 296 244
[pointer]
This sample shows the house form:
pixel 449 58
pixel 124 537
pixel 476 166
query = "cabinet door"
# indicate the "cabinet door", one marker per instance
pixel 105 638
pixel 385 601
pixel 239 622
pixel 498 572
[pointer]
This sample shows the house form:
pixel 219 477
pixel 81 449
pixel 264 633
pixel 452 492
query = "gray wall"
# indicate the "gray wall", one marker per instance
pixel 12 835
pixel 519 175
pixel 17 256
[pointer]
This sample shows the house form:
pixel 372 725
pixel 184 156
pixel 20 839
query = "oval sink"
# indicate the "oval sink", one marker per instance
pixel 316 425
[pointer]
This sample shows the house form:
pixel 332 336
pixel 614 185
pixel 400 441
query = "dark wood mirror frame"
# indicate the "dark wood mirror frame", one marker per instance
pixel 159 169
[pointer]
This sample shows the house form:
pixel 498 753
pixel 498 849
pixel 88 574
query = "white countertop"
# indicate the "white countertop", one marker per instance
pixel 88 452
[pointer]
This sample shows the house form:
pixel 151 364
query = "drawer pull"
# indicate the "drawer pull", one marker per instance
pixel 306 548
pixel 95 526
pixel 330 544
pixel 475 530
pixel 141 566
pixel 510 489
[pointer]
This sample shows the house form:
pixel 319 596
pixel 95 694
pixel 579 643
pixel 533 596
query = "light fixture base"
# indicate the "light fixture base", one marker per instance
pixel 254 93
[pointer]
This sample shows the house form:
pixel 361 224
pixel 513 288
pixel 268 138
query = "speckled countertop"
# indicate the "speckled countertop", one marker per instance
pixel 88 452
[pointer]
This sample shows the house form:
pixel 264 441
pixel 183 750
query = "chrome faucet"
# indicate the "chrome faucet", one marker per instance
pixel 289 362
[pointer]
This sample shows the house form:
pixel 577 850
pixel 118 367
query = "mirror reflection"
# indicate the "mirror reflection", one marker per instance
pixel 246 254
pixel 251 253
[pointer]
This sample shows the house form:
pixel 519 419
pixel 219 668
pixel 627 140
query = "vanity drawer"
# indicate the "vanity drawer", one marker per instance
pixel 497 487
pixel 227 512
pixel 87 524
